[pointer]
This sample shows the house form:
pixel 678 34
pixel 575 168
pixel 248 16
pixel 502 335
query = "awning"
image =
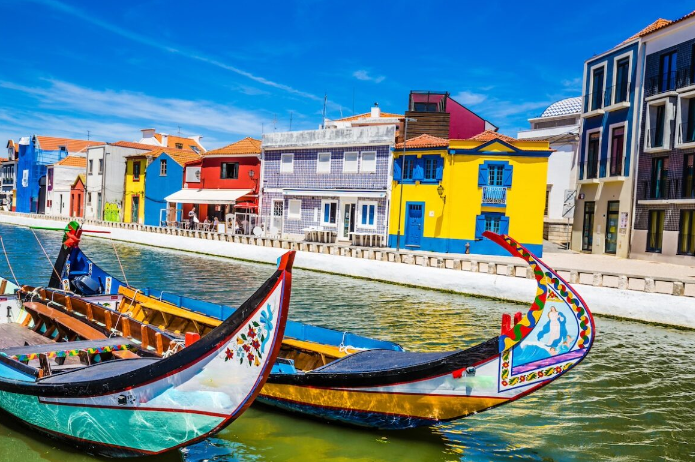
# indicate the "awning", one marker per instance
pixel 206 196
pixel 246 205
pixel 334 193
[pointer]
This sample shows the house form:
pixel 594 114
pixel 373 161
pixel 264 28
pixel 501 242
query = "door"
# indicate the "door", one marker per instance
pixel 588 227
pixel 135 209
pixel 41 205
pixel 348 218
pixel 276 219
pixel 98 213
pixel 413 223
pixel 612 217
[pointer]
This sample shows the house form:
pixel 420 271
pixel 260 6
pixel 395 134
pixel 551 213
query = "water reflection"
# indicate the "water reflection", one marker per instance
pixel 631 399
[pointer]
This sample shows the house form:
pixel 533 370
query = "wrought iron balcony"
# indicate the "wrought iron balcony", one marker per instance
pixel 662 189
pixel 495 195
pixel 595 100
pixel 617 94
pixel 667 82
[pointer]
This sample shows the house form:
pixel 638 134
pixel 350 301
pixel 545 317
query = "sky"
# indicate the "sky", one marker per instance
pixel 227 70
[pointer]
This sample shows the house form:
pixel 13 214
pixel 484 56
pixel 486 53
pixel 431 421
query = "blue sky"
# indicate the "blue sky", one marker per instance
pixel 226 70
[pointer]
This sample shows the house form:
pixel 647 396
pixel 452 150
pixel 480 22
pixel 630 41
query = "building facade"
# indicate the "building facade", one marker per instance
pixel 36 153
pixel 664 226
pixel 9 177
pixel 330 179
pixel 77 200
pixel 60 178
pixel 607 143
pixel 446 193
pixel 559 124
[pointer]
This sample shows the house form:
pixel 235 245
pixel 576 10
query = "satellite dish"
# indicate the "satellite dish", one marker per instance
pixel 257 231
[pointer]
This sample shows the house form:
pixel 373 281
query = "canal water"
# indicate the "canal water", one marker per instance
pixel 632 399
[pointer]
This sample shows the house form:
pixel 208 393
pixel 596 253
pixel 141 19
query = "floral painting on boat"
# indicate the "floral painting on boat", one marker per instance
pixel 251 340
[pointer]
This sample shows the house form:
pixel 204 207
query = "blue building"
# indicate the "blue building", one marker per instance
pixel 35 154
pixel 607 144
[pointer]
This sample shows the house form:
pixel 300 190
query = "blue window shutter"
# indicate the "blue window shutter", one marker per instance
pixel 364 214
pixel 483 175
pixel 326 212
pixel 440 168
pixel 507 176
pixel 397 164
pixel 371 214
pixel 504 225
pixel 479 226
pixel 419 169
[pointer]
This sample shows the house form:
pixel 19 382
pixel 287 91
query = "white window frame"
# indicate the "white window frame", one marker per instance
pixel 294 216
pixel 612 127
pixel 163 163
pixel 360 204
pixel 668 116
pixel 362 168
pixel 318 162
pixel 337 212
pixel 591 85
pixel 291 163
pixel 357 161
pixel 89 198
pixel 615 76
pixel 680 122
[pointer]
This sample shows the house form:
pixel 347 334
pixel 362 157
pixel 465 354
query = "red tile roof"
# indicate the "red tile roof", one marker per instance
pixel 246 146
pixel 368 115
pixel 73 161
pixel 489 135
pixel 656 25
pixel 2 159
pixel 424 141
pixel 128 144
pixel 51 143
pixel 187 143
pixel 180 156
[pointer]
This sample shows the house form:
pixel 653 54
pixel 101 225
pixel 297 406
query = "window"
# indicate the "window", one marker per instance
pixel 588 226
pixel 655 231
pixel 617 150
pixel 163 167
pixel 491 221
pixel 622 80
pixel 692 65
pixel 596 96
pixel 495 173
pixel 179 145
pixel 350 162
pixel 408 167
pixel 687 126
pixel 294 211
pixel 62 148
pixel 91 166
pixel 425 107
pixel 686 233
pixel 547 200
pixel 667 71
pixel 136 171
pixel 368 164
pixel 368 214
pixel 659 128
pixel 592 154
pixel 689 176
pixel 101 166
pixel 324 162
pixel 431 168
pixel 89 198
pixel 330 213
pixel 287 163
pixel 659 186
pixel 229 170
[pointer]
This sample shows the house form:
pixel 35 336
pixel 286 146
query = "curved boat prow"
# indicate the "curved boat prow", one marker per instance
pixel 553 336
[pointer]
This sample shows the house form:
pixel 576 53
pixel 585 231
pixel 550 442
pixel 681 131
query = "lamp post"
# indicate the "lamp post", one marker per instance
pixel 400 201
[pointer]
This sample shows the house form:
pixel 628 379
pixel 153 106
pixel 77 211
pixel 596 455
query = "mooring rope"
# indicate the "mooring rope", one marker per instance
pixel 8 262
pixel 125 279
pixel 46 254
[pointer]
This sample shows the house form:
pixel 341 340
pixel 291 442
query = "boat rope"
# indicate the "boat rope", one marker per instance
pixel 44 252
pixel 344 348
pixel 8 262
pixel 175 346
pixel 120 313
pixel 125 279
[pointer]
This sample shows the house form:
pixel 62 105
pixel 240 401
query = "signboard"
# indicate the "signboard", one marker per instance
pixel 192 174
pixel 623 223
pixel 25 178
pixel 570 198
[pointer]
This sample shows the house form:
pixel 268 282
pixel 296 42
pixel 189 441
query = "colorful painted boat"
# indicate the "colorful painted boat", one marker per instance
pixel 125 398
pixel 377 384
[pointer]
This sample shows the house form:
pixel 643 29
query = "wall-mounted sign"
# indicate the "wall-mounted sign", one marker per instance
pixel 193 174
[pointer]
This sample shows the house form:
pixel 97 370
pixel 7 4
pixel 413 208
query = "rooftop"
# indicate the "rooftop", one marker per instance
pixel 129 144
pixel 51 143
pixel 489 135
pixel 72 161
pixel 424 141
pixel 368 115
pixel 246 146
pixel 81 177
pixel 180 156
pixel 565 106
pixel 187 143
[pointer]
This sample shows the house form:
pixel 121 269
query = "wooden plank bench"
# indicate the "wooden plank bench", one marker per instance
pixel 67 326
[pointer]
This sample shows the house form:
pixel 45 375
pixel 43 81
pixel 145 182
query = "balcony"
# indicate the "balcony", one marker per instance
pixel 595 101
pixel 618 97
pixel 495 195
pixel 667 82
pixel 589 171
pixel 663 190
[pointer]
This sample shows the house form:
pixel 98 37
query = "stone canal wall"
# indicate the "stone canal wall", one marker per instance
pixel 659 300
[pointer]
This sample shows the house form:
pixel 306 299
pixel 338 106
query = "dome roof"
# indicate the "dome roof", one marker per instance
pixel 564 107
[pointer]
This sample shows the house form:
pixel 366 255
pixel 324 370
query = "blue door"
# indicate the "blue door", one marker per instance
pixel 414 223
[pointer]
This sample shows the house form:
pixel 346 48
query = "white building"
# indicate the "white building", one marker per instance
pixel 60 177
pixel 9 175
pixel 105 178
pixel 152 138
pixel 559 124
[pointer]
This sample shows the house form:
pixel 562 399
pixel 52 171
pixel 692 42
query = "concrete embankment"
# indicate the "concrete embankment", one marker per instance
pixel 629 304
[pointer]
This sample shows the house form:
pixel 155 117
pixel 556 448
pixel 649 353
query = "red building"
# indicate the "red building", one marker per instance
pixel 77 197
pixel 223 184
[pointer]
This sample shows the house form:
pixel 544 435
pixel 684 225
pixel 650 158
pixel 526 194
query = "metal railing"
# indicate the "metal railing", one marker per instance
pixel 618 93
pixel 666 82
pixel 7 180
pixel 495 195
pixel 590 170
pixel 616 165
pixel 662 189
pixel 595 100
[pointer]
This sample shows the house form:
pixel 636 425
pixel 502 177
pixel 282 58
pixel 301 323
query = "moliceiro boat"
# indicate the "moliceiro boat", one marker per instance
pixel 125 393
pixel 375 383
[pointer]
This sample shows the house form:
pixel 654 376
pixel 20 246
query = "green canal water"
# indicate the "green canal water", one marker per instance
pixel 632 399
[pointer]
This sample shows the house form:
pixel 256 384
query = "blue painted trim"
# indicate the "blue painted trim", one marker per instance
pixel 497 206
pixel 482 247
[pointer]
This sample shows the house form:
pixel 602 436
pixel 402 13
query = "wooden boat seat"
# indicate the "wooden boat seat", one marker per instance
pixel 380 360
pixel 65 324
pixel 16 335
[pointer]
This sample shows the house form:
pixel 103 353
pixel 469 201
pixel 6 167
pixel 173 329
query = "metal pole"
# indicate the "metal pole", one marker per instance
pixel 400 199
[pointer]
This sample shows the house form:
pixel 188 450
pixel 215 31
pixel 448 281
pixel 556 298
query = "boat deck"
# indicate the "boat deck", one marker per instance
pixel 380 360
pixel 14 335
pixel 101 371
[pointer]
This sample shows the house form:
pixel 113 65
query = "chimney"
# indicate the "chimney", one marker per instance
pixel 147 133
pixel 165 139
pixel 376 111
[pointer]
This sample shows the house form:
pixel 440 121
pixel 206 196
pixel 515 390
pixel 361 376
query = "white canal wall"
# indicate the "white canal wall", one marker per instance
pixel 629 304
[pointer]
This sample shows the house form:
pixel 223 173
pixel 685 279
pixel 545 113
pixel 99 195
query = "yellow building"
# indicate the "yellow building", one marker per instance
pixel 134 191
pixel 446 193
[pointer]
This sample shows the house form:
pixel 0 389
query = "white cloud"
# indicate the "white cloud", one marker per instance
pixel 572 84
pixel 469 98
pixel 364 75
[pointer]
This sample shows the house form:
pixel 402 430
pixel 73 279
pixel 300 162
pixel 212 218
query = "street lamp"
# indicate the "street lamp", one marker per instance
pixel 440 191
